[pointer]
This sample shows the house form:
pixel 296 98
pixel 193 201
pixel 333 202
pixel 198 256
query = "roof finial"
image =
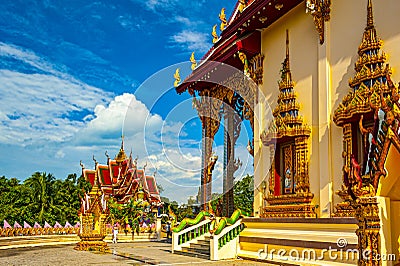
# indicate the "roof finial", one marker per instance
pixel 96 180
pixel 287 65
pixel 122 142
pixel 95 161
pixel 370 17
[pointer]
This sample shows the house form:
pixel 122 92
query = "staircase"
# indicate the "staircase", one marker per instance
pixel 197 241
pixel 198 249
pixel 300 241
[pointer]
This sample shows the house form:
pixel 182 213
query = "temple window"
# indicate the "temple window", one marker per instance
pixel 286 168
pixel 287 138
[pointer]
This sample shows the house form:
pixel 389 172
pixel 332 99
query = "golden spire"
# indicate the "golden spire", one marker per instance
pixel 370 77
pixel 370 39
pixel 286 77
pixel 287 121
pixel 121 156
pixel 370 16
pixel 287 67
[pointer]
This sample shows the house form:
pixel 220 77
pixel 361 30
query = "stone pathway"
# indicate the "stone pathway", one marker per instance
pixel 138 253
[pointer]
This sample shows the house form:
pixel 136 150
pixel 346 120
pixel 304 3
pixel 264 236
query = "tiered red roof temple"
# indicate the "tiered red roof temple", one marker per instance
pixel 120 179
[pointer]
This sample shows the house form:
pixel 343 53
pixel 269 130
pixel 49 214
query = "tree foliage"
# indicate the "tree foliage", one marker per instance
pixel 243 192
pixel 40 198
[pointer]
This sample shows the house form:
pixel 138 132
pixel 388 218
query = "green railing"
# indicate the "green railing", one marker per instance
pixel 189 222
pixel 193 233
pixel 190 234
pixel 226 243
pixel 225 221
pixel 232 234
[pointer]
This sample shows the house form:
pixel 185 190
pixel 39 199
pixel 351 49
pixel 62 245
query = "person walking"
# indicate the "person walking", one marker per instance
pixel 168 229
pixel 115 234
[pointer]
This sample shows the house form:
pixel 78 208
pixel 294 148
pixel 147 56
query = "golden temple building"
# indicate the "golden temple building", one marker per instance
pixel 319 88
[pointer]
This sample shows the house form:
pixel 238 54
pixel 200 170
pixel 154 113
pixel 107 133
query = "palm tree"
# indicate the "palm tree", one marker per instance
pixel 41 187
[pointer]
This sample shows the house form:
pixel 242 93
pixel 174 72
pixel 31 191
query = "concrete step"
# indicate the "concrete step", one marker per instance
pixel 205 247
pixel 203 242
pixel 197 250
pixel 193 254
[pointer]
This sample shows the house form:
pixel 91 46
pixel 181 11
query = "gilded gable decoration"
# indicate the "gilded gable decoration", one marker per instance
pixel 320 10
pixel 289 187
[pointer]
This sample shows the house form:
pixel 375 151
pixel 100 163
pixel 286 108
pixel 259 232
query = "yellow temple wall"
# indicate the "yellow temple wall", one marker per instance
pixel 303 63
pixel 321 74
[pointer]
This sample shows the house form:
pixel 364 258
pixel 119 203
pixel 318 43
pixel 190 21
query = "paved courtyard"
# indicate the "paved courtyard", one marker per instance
pixel 139 253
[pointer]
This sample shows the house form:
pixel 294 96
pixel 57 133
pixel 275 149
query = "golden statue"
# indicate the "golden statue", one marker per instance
pixel 214 34
pixel 177 78
pixel 243 58
pixel 222 17
pixel 211 163
pixel 193 61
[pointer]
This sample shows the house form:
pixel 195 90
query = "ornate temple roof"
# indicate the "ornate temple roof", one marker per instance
pixel 240 34
pixel 120 178
pixel 369 80
pixel 287 121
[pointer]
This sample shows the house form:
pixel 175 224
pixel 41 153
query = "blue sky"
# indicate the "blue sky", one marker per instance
pixel 71 70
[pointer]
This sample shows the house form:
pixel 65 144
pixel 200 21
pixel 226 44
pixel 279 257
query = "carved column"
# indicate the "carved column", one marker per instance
pixel 347 146
pixel 203 167
pixel 231 133
pixel 209 112
pixel 367 214
pixel 301 166
pixel 206 154
pixel 272 184
pixel 344 209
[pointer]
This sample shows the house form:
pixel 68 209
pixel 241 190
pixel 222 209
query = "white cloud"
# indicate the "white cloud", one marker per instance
pixel 192 40
pixel 129 23
pixel 184 20
pixel 123 112
pixel 38 106
pixel 160 4
pixel 32 59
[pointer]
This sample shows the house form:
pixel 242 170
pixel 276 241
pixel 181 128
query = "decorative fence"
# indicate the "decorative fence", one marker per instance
pixel 7 232
pixel 26 230
pixel 190 234
pixel 221 232
pixel 225 244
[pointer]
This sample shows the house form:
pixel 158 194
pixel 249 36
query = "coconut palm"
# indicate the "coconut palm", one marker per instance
pixel 42 194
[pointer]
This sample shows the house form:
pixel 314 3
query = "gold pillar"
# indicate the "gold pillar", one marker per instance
pixel 367 214
pixel 344 209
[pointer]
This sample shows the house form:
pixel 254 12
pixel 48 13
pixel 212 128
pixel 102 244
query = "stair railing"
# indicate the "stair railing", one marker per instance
pixel 225 244
pixel 190 234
